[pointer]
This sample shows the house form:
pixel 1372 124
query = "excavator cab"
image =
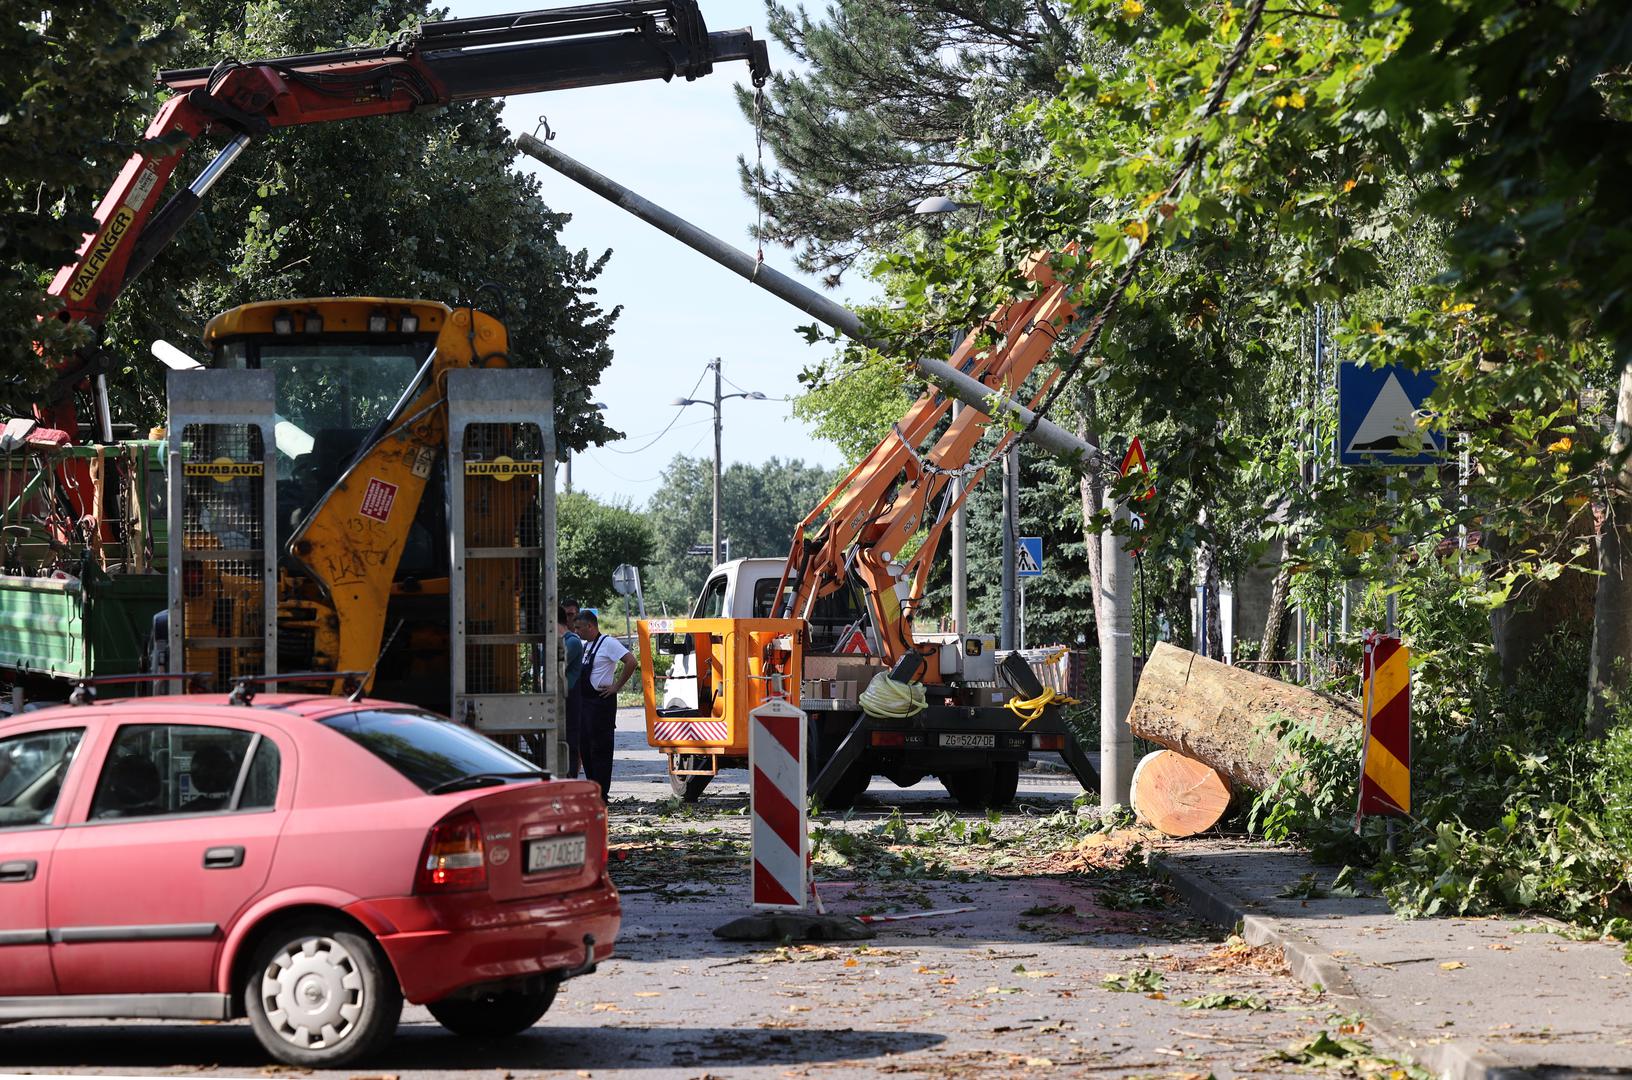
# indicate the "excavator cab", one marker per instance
pixel 374 468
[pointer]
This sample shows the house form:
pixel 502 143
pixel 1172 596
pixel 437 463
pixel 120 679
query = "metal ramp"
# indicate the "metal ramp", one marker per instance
pixel 501 496
pixel 223 565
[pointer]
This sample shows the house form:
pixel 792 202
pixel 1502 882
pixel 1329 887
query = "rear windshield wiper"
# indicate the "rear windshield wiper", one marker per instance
pixel 484 779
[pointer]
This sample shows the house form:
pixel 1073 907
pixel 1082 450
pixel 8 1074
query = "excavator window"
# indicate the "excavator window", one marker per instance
pixel 332 391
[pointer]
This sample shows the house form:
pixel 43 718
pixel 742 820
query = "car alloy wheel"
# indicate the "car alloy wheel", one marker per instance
pixel 321 995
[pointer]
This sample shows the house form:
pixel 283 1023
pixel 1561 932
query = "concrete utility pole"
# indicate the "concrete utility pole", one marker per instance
pixel 1115 664
pixel 719 467
pixel 1116 583
pixel 717 463
pixel 1007 638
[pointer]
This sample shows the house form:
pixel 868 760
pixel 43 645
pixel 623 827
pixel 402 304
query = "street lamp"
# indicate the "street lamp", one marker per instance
pixel 752 395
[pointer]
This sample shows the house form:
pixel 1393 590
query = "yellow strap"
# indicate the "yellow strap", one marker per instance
pixel 1030 709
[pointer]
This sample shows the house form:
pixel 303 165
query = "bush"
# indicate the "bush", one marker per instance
pixel 1514 807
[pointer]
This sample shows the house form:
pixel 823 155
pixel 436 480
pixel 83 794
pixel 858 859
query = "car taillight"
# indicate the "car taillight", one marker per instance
pixel 454 859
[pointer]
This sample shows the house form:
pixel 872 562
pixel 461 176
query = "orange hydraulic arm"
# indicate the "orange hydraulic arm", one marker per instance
pixel 899 489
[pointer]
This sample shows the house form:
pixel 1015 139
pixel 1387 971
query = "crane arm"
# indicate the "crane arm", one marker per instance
pixel 440 63
pixel 899 490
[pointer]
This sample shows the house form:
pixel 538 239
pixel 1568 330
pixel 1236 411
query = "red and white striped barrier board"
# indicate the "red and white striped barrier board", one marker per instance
pixel 776 793
pixel 690 731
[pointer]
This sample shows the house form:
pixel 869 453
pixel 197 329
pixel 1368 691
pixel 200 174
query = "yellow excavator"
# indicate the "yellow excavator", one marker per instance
pixel 335 487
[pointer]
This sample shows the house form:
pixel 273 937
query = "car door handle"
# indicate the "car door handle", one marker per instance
pixel 224 858
pixel 19 870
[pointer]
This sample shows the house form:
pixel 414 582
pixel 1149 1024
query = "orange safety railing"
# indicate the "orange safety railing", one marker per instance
pixel 734 662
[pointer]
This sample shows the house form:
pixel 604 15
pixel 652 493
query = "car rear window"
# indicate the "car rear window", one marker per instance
pixel 424 747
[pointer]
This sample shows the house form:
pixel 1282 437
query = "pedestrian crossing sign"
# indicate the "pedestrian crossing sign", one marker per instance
pixel 1028 556
pixel 1380 413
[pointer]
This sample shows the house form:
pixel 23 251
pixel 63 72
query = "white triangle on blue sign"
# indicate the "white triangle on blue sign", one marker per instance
pixel 1390 425
pixel 1024 563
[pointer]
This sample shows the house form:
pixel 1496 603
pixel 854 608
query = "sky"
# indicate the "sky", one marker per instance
pixel 677 144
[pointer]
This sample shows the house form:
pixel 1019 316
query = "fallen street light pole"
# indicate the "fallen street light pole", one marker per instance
pixel 1116 697
pixel 957 385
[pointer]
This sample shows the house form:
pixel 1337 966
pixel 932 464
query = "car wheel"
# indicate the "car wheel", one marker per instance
pixel 320 995
pixel 493 1016
pixel 689 788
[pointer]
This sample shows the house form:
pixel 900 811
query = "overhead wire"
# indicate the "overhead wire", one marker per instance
pixel 677 414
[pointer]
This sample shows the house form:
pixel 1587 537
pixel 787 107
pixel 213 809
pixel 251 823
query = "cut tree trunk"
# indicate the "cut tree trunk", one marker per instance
pixel 1225 717
pixel 1178 795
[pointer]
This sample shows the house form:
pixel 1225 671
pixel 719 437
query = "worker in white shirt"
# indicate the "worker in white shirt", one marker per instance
pixel 606 666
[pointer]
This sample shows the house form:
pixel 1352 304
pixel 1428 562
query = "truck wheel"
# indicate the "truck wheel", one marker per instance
pixel 319 995
pixel 689 788
pixel 851 786
pixel 493 1016
pixel 1005 782
pixel 985 787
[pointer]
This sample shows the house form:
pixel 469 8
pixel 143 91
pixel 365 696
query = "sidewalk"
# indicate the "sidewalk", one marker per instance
pixel 1467 998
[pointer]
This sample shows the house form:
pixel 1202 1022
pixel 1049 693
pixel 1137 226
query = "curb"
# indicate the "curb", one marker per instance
pixel 1313 966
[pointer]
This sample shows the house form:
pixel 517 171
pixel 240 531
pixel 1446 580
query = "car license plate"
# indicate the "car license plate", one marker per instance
pixel 969 742
pixel 554 853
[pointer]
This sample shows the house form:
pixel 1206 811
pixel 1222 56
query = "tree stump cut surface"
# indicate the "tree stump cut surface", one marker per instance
pixel 1178 795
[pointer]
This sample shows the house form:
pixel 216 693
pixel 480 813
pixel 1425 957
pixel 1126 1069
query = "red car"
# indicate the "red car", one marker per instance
pixel 306 862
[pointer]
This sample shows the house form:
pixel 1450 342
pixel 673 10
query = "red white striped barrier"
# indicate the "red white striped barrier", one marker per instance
pixel 776 793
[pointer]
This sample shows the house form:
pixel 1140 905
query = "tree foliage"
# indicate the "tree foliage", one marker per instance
pixel 594 538
pixel 70 113
pixel 871 120
pixel 760 507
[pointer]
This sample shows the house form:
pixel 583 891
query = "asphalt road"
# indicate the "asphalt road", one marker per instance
pixel 1013 986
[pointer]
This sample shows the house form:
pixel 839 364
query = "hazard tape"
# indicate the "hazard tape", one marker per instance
pixel 1385 764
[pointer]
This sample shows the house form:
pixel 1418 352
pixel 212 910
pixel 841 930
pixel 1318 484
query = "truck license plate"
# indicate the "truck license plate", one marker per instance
pixel 554 853
pixel 969 742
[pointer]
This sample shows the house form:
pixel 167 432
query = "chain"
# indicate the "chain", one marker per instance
pixel 759 174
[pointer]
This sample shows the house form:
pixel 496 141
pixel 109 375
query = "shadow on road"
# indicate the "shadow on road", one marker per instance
pixel 422 1047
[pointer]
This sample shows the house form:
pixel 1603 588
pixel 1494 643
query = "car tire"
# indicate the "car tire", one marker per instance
pixel 493 1016
pixel 689 788
pixel 319 994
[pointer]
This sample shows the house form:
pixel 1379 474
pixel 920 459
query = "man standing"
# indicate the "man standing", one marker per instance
pixel 606 666
pixel 573 647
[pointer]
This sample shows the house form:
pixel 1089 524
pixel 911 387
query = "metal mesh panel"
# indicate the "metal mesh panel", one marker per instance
pixel 506 624
pixel 223 550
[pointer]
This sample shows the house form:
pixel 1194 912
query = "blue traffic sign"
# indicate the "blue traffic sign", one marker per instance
pixel 1378 416
pixel 1028 556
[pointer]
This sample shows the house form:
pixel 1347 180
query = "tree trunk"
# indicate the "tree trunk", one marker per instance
pixel 1275 624
pixel 1221 715
pixel 1092 492
pixel 1206 570
pixel 1179 796
pixel 1612 614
